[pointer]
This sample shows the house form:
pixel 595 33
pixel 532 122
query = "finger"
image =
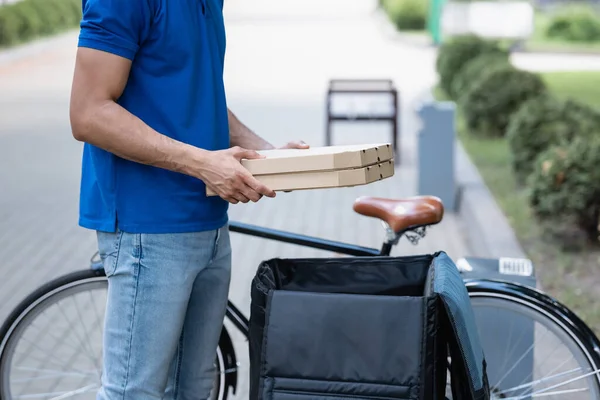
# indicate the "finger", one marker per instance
pixel 258 187
pixel 241 185
pixel 247 190
pixel 239 196
pixel 252 194
pixel 230 199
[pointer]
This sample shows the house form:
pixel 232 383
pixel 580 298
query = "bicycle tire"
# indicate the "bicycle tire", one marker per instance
pixel 561 321
pixel 44 294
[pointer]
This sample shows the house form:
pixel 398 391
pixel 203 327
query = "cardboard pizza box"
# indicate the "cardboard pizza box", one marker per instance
pixel 326 179
pixel 279 161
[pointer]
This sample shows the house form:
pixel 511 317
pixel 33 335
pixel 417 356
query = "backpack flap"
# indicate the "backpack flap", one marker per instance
pixel 468 366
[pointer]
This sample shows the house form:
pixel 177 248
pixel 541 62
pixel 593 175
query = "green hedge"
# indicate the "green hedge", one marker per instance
pixel 473 69
pixel 565 190
pixel 575 24
pixel 545 121
pixel 456 52
pixel 28 19
pixel 406 14
pixel 493 98
pixel 554 144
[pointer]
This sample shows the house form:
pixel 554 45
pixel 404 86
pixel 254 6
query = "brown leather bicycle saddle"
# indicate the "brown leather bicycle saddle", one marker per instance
pixel 402 214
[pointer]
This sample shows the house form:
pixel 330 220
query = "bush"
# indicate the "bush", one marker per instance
pixel 30 23
pixel 565 188
pixel 407 14
pixel 495 96
pixel 575 24
pixel 9 27
pixel 50 16
pixel 27 19
pixel 66 14
pixel 456 52
pixel 473 69
pixel 545 121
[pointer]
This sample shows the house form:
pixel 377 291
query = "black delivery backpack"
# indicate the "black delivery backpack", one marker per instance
pixel 362 328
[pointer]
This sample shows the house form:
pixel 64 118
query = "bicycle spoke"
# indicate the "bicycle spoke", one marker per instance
pixel 75 392
pixel 553 372
pixel 49 357
pixel 550 375
pixel 525 354
pixel 52 359
pixel 533 383
pixel 52 373
pixel 570 391
pixel 546 362
pixel 545 390
pixel 77 337
pixel 87 348
pixel 508 342
pixel 60 395
pixel 50 333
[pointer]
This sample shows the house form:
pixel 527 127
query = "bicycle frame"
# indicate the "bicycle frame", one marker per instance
pixel 233 313
pixel 236 316
pixel 477 281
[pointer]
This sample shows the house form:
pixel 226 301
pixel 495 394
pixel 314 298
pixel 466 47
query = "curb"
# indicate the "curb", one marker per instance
pixel 489 233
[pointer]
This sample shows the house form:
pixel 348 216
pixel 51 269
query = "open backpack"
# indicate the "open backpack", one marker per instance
pixel 364 328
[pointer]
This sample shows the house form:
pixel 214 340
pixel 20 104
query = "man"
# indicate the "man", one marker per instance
pixel 148 100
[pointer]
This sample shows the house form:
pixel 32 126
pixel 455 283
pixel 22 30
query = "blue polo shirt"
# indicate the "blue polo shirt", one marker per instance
pixel 176 87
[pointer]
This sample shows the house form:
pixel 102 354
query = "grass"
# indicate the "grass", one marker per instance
pixel 571 277
pixel 539 42
pixel 583 86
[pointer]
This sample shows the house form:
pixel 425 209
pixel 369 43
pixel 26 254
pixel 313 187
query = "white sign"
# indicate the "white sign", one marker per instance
pixel 490 19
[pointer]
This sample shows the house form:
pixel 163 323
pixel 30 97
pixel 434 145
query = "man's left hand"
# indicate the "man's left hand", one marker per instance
pixel 296 144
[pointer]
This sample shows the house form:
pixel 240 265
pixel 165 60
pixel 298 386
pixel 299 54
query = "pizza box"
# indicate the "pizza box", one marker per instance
pixel 327 158
pixel 326 179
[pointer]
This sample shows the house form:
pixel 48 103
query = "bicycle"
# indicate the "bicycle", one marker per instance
pixel 501 301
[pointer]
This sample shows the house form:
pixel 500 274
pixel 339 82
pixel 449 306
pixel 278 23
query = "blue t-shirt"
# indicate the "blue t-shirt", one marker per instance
pixel 175 86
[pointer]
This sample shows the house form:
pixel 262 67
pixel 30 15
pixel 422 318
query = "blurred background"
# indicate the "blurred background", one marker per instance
pixel 497 114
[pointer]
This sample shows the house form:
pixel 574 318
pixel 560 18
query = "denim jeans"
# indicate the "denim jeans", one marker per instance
pixel 167 296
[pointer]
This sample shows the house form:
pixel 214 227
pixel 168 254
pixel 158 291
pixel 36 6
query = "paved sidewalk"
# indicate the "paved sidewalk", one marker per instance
pixel 280 57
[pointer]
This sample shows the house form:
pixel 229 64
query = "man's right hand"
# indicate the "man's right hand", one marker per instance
pixel 223 172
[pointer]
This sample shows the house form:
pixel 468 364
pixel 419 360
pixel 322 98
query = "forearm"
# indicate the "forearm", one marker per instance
pixel 109 126
pixel 241 135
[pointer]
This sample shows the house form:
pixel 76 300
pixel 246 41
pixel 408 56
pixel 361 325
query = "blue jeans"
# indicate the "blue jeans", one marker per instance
pixel 167 296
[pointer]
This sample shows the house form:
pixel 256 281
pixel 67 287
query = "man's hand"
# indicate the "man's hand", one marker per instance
pixel 223 172
pixel 296 144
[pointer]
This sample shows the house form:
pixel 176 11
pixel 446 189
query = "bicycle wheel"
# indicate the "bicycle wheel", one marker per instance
pixel 534 346
pixel 51 344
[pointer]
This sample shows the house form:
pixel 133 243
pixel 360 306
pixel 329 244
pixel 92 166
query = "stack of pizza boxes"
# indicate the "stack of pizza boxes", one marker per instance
pixel 322 167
